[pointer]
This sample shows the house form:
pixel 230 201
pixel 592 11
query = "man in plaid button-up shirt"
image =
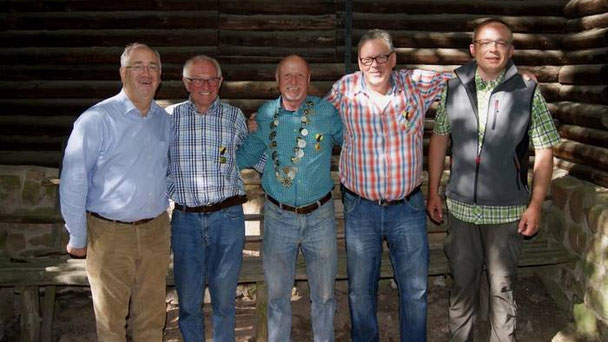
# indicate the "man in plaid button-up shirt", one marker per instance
pixel 381 172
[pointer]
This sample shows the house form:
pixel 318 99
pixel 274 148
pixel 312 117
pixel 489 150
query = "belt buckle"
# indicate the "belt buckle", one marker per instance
pixel 383 203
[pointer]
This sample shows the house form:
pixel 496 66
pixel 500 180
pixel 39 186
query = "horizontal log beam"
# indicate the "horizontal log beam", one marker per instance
pixel 588 22
pixel 586 56
pixel 113 6
pixel 262 54
pixel 279 22
pixel 168 89
pixel 310 39
pixel 279 7
pixel 586 39
pixel 90 55
pixel 104 37
pixel 31 143
pixel 589 136
pixel 581 8
pixel 581 153
pixel 109 20
pixel 596 94
pixel 584 172
pixel 438 39
pixel 583 74
pixel 39 158
pixel 547 7
pixel 454 22
pixel 581 114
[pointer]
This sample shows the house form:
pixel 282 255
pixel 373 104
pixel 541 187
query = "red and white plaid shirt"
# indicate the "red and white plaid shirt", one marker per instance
pixel 382 150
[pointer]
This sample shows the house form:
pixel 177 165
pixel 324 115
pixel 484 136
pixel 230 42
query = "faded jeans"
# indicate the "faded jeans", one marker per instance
pixel 403 226
pixel 207 247
pixel 285 233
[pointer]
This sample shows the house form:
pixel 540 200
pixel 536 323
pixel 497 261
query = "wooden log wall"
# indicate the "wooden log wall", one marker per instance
pixel 58 57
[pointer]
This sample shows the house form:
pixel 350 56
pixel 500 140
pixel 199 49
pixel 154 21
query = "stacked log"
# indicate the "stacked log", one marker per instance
pixel 581 106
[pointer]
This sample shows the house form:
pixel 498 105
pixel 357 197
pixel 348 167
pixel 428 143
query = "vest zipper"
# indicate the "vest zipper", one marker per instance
pixel 496 109
pixel 517 168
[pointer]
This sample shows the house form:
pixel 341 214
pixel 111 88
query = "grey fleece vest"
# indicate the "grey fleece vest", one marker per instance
pixel 498 175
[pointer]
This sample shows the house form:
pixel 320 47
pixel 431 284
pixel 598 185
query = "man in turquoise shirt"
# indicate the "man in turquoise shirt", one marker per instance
pixel 297 132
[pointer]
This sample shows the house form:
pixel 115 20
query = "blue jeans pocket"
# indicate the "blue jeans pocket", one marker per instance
pixel 349 201
pixel 234 213
pixel 416 202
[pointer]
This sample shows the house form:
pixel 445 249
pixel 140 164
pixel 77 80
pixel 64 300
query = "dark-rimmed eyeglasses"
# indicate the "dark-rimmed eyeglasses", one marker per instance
pixel 486 43
pixel 200 81
pixel 367 61
pixel 140 68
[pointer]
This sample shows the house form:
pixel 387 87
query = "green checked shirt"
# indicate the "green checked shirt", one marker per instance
pixel 543 134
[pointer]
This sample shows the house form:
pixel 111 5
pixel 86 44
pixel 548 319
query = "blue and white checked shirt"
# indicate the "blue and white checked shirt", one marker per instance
pixel 202 165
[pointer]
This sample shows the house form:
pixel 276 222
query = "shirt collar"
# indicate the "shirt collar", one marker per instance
pixel 212 109
pixel 361 87
pixel 127 105
pixel 481 85
pixel 279 104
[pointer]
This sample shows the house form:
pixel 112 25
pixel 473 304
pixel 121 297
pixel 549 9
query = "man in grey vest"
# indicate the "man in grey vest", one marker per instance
pixel 491 115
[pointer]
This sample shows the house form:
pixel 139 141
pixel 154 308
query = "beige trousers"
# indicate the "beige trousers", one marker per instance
pixel 127 269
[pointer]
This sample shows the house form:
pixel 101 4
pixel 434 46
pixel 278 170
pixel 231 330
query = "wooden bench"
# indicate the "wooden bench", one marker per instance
pixel 31 275
pixel 36 278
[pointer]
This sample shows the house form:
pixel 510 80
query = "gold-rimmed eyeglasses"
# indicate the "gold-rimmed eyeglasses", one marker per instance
pixel 486 43
pixel 140 68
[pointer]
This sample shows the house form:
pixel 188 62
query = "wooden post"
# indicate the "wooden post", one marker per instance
pixel 30 313
pixel 261 308
pixel 48 313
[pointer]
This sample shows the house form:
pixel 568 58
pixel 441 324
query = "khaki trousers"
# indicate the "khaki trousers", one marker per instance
pixel 469 247
pixel 127 269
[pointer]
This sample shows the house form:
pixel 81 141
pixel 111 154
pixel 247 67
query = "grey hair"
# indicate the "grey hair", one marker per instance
pixel 126 54
pixel 200 58
pixel 376 34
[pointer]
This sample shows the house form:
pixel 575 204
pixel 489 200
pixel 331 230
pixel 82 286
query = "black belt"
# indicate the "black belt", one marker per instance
pixel 134 223
pixel 303 209
pixel 384 203
pixel 228 202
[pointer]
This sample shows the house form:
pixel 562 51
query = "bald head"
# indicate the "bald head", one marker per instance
pixel 293 78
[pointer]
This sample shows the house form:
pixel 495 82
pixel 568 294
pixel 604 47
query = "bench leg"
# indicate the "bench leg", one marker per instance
pixel 261 331
pixel 48 313
pixel 30 313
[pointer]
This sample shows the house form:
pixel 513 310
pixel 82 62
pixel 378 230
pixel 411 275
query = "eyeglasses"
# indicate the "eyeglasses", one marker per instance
pixel 486 43
pixel 200 81
pixel 140 68
pixel 367 61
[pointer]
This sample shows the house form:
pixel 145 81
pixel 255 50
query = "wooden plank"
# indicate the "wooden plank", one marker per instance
pixel 277 22
pixel 141 19
pixel 48 313
pixel 588 136
pixel 107 37
pixel 580 8
pixel 588 22
pixel 586 56
pixel 592 94
pixel 586 39
pixel 95 54
pixel 584 172
pixel 30 308
pixel 302 39
pixel 495 8
pixel 112 5
pixel 583 154
pixel 453 22
pixel 581 114
pixel 261 54
pixel 278 7
pixel 39 158
pixel 583 74
pixel 261 309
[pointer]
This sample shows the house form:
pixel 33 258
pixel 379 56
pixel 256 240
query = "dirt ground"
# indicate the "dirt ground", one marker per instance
pixel 540 319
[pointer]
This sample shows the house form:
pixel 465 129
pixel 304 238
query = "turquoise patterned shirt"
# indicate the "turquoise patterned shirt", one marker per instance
pixel 282 132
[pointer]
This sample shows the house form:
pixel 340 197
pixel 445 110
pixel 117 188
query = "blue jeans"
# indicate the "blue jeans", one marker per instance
pixel 315 233
pixel 403 226
pixel 207 247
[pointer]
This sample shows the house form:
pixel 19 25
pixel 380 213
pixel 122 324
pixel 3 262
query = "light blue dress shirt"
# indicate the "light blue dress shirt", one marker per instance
pixel 115 164
pixel 313 178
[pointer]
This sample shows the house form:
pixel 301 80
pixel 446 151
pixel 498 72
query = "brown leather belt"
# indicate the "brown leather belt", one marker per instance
pixel 228 202
pixel 134 223
pixel 303 209
pixel 384 203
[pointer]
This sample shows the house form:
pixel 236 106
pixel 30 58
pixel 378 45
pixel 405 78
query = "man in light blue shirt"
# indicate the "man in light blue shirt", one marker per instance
pixel 113 200
pixel 297 132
